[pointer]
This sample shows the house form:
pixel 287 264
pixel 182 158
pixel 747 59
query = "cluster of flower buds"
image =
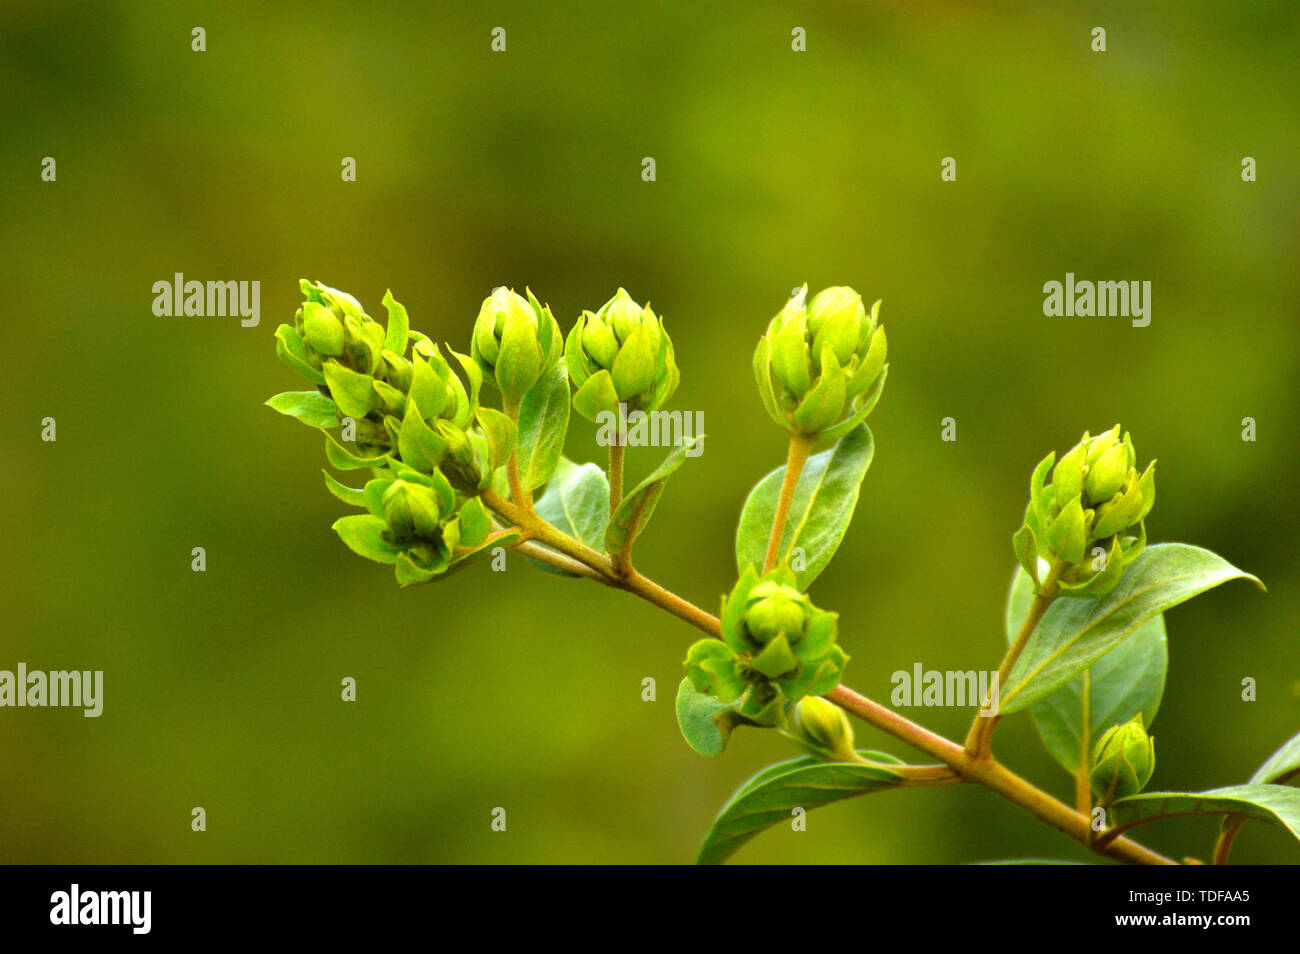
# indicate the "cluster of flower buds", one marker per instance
pixel 776 648
pixel 516 342
pixel 1089 520
pixel 416 522
pixel 1122 761
pixel 621 355
pixel 821 365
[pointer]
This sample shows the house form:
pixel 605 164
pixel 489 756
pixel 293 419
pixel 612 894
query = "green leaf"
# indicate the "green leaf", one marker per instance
pixel 311 407
pixel 1281 765
pixel 363 533
pixel 1277 804
pixel 353 496
pixel 1127 680
pixel 768 798
pixel 399 325
pixel 341 458
pixel 820 512
pixel 352 391
pixel 543 424
pixel 290 350
pixel 705 721
pixel 637 507
pixel 1075 633
pixel 577 502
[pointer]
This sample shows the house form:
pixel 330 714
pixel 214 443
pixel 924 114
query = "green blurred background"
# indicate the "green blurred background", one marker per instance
pixel 476 169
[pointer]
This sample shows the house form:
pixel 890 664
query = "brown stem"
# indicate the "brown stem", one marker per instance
pixel 800 447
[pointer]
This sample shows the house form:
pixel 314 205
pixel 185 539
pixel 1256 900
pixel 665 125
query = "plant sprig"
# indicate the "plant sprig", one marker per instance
pixel 454 481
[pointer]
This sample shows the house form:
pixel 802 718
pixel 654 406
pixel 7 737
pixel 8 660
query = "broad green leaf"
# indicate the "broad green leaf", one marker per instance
pixel 820 512
pixel 637 507
pixel 289 348
pixel 1281 765
pixel 1075 633
pixel 399 325
pixel 1277 804
pixel 1127 680
pixel 768 798
pixel 705 722
pixel 353 496
pixel 311 407
pixel 577 502
pixel 363 533
pixel 543 424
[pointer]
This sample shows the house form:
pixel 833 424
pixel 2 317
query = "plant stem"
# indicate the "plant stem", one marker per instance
pixel 1082 780
pixel 984 770
pixel 522 497
pixel 993 776
pixel 800 447
pixel 981 730
pixel 1223 844
pixel 616 450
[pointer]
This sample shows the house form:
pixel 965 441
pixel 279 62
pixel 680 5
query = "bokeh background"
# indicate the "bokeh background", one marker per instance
pixel 475 169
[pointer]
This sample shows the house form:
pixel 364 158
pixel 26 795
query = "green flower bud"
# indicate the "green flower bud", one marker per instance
pixel 411 511
pixel 1088 518
pixel 821 365
pixel 621 354
pixel 776 648
pixel 1122 761
pixel 332 324
pixel 825 726
pixel 775 610
pixel 516 341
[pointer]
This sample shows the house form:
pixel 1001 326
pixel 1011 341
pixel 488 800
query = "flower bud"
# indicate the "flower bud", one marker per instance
pixel 776 648
pixel 1089 518
pixel 621 354
pixel 821 365
pixel 411 511
pixel 775 610
pixel 1122 762
pixel 516 341
pixel 824 725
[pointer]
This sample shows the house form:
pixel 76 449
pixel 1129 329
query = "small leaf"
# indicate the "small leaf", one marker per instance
pixel 353 496
pixel 352 391
pixel 637 507
pixel 290 350
pixel 543 424
pixel 768 798
pixel 705 721
pixel 577 502
pixel 399 325
pixel 1128 680
pixel 341 458
pixel 311 407
pixel 1075 633
pixel 820 512
pixel 499 431
pixel 363 533
pixel 1277 804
